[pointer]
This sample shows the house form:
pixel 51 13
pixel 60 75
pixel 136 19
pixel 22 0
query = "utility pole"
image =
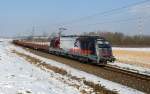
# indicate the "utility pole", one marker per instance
pixel 32 33
pixel 33 30
pixel 140 26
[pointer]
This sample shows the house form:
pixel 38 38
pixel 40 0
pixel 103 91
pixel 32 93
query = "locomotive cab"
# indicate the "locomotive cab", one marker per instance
pixel 104 51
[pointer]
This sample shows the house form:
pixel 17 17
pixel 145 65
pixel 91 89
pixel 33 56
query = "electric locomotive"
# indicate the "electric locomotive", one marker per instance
pixel 84 48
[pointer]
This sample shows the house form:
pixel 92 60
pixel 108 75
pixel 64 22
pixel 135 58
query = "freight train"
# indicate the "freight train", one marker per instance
pixel 92 49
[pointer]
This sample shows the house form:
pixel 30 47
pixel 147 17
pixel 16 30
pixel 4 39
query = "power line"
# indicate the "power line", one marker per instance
pixel 117 21
pixel 105 12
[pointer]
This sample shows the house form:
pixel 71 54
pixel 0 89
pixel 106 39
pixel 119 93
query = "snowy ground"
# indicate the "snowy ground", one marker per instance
pixel 18 76
pixel 134 68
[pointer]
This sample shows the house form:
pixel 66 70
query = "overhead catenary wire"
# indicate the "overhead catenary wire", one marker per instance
pixel 116 21
pixel 103 13
pixel 139 20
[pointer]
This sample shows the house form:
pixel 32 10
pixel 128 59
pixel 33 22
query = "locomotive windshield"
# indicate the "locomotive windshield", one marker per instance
pixel 102 44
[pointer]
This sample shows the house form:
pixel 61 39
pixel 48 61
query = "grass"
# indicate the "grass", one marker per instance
pixel 139 58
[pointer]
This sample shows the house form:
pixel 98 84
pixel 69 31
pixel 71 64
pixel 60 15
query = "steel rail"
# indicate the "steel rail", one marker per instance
pixel 127 72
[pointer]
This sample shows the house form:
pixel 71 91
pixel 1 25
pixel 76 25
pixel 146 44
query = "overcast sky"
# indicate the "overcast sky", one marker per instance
pixel 17 17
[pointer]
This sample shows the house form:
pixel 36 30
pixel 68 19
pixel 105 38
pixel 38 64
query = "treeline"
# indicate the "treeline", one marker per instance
pixel 120 39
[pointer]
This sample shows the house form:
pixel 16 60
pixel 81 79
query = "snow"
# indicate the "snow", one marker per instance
pixel 131 49
pixel 74 72
pixel 18 76
pixel 134 68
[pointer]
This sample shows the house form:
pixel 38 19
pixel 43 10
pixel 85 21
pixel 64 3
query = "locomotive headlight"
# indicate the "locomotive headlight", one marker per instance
pixel 106 42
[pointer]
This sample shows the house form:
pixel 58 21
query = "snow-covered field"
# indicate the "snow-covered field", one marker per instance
pixel 18 76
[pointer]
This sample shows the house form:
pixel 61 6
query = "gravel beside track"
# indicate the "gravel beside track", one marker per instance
pixel 103 72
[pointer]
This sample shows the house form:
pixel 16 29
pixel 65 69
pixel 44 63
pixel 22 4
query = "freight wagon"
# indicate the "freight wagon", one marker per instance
pixel 84 48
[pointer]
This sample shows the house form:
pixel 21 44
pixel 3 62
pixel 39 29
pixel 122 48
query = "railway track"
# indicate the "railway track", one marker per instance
pixel 128 72
pixel 128 78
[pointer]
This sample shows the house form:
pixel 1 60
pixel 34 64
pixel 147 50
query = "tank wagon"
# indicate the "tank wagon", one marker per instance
pixel 84 48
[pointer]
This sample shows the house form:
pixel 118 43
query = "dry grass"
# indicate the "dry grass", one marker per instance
pixel 98 89
pixel 140 58
pixel 41 64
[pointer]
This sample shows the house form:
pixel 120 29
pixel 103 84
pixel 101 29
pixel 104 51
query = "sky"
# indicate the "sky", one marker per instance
pixel 19 17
